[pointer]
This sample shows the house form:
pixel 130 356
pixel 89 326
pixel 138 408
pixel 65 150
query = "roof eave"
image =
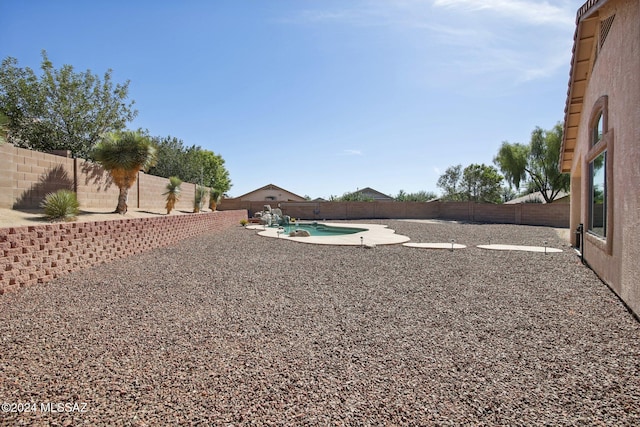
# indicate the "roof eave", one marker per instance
pixel 583 39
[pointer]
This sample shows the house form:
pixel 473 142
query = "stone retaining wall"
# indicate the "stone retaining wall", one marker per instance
pixel 36 254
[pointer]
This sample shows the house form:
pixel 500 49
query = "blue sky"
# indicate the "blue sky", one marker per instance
pixel 319 97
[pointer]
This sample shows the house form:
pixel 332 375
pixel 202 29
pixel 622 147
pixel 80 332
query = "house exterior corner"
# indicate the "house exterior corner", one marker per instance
pixel 601 142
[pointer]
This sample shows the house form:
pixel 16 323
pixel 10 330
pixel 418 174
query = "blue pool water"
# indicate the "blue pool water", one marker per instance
pixel 316 229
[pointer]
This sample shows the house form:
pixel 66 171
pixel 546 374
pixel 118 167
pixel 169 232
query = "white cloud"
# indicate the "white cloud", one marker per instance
pixel 418 13
pixel 483 45
pixel 351 152
pixel 532 12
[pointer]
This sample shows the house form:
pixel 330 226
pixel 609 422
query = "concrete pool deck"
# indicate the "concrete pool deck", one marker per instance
pixel 377 234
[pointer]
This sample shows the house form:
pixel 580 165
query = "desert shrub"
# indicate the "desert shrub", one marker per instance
pixel 61 206
pixel 198 201
pixel 172 193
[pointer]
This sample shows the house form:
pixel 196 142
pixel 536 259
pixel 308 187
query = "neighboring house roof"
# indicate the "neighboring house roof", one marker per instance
pixel 270 187
pixel 536 197
pixel 374 194
pixel 581 62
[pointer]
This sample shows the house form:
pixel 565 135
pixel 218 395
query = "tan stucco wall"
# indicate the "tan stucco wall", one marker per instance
pixel 616 74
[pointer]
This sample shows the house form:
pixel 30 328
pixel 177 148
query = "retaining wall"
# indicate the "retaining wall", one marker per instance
pixel 36 254
pixel 550 214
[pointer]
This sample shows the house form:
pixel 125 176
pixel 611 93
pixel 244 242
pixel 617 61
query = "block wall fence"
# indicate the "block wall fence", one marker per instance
pixel 37 254
pixel 27 176
pixel 551 214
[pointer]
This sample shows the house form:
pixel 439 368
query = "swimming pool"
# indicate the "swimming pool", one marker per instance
pixel 316 229
pixel 335 234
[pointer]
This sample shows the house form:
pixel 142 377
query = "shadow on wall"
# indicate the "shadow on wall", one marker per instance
pixel 53 180
pixel 96 175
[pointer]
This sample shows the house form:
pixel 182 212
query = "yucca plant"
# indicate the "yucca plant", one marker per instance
pixel 61 206
pixel 172 193
pixel 124 154
pixel 198 201
pixel 214 198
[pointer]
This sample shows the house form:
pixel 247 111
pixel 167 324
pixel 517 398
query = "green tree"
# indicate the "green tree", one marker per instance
pixel 536 164
pixel 507 193
pixel 213 172
pixel 449 182
pixel 124 154
pixel 478 183
pixel 4 128
pixel 61 109
pixel 420 196
pixel 354 196
pixel 192 164
pixel 171 157
pixel 482 183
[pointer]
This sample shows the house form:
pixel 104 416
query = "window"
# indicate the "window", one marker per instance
pixel 596 130
pixel 598 196
pixel 600 166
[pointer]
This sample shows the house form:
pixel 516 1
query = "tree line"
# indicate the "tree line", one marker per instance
pixel 62 109
pixel 527 168
pixel 402 196
pixel 78 111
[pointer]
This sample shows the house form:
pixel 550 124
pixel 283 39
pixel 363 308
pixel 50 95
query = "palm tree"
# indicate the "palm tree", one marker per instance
pixel 214 198
pixel 172 193
pixel 124 154
pixel 198 201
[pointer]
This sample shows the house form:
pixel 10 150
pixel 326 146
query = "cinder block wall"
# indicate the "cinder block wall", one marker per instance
pixel 37 254
pixel 27 176
pixel 95 189
pixel 151 188
pixel 551 214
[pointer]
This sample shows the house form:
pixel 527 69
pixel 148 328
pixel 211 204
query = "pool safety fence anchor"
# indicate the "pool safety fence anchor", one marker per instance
pixel 361 242
pixel 545 247
pixel 453 241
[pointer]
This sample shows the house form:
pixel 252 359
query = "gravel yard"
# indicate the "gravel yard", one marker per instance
pixel 233 329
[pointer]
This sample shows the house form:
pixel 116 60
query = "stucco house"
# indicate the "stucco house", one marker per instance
pixel 601 142
pixel 270 193
pixel 376 195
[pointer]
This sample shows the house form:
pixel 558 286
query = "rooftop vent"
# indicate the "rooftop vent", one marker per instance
pixel 605 26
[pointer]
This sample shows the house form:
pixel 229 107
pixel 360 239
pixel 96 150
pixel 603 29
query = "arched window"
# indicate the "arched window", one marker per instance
pixel 596 130
pixel 600 165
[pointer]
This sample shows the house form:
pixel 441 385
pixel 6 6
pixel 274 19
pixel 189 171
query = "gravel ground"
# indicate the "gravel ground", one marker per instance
pixel 236 329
